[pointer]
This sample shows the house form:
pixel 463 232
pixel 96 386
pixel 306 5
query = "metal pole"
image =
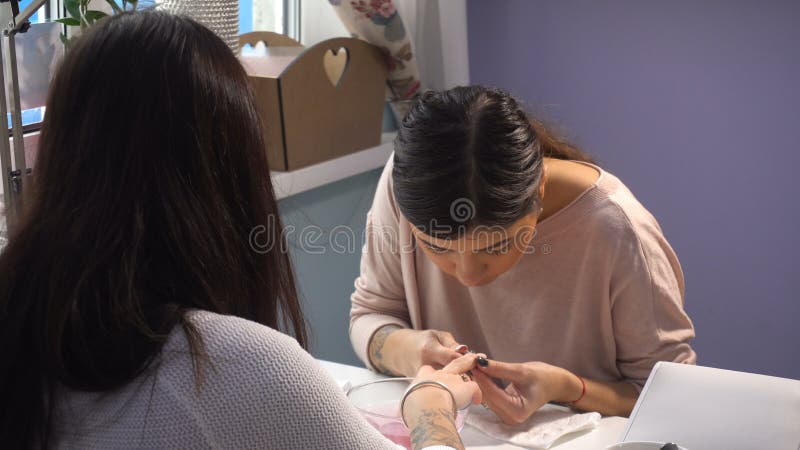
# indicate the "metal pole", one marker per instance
pixel 20 21
pixel 9 200
pixel 13 177
pixel 14 104
pixel 20 173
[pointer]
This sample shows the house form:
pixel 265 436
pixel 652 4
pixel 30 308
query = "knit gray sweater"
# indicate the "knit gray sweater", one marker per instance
pixel 259 390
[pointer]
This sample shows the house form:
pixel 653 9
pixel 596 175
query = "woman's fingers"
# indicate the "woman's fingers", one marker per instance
pixel 505 371
pixel 445 339
pixel 465 392
pixel 441 356
pixel 489 389
pixel 439 348
pixel 461 348
pixel 509 408
pixel 477 394
pixel 461 364
pixel 425 371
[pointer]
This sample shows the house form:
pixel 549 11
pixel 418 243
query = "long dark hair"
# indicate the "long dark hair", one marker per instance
pixel 471 156
pixel 149 181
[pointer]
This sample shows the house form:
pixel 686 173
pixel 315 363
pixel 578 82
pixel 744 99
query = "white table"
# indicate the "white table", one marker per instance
pixel 607 432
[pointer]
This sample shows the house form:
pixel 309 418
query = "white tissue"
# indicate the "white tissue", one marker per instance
pixel 540 431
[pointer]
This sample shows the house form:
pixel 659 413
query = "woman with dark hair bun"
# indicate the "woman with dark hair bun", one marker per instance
pixel 135 312
pixel 489 233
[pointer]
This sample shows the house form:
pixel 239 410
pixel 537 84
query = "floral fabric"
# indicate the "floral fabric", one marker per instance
pixel 377 22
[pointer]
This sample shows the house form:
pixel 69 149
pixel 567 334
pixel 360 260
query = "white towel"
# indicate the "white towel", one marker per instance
pixel 540 431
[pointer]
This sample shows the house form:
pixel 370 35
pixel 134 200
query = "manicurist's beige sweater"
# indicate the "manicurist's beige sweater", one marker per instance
pixel 600 292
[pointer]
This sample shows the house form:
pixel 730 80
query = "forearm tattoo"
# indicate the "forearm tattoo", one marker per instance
pixel 435 427
pixel 376 348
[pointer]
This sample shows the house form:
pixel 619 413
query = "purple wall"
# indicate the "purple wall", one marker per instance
pixel 696 106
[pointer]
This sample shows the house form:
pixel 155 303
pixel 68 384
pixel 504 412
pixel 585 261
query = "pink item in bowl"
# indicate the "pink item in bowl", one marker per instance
pixel 379 403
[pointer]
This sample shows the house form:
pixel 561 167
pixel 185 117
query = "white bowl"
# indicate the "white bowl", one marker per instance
pixel 379 403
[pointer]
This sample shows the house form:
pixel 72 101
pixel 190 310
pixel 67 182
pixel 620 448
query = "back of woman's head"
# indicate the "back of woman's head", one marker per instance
pixel 469 157
pixel 150 179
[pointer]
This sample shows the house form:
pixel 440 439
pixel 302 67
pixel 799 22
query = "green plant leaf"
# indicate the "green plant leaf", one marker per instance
pixel 69 21
pixel 93 16
pixel 73 8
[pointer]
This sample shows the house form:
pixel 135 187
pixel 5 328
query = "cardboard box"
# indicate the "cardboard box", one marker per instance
pixel 318 103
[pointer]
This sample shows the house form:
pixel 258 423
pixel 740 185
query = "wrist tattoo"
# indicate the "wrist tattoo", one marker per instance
pixel 435 427
pixel 376 348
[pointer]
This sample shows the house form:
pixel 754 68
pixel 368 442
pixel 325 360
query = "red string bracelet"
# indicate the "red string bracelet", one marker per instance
pixel 583 391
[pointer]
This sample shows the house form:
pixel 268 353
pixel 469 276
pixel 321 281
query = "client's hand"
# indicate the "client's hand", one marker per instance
pixel 428 410
pixel 532 385
pixel 454 377
pixel 400 351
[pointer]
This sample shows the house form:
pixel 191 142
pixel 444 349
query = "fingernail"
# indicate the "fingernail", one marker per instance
pixel 483 362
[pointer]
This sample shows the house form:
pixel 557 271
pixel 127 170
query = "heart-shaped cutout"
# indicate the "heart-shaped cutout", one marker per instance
pixel 335 63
